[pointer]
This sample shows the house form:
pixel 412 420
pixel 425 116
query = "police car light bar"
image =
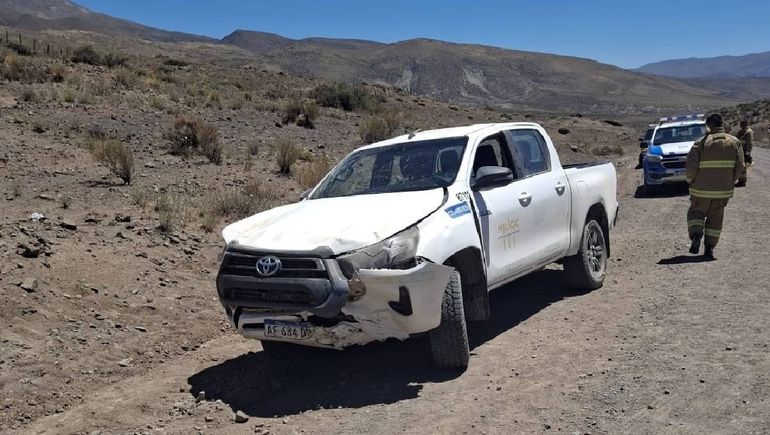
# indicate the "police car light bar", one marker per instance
pixel 681 118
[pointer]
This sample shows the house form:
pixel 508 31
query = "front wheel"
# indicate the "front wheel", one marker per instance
pixel 449 341
pixel 587 268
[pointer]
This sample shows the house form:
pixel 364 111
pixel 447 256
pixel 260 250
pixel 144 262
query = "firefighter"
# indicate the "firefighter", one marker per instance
pixel 713 165
pixel 746 136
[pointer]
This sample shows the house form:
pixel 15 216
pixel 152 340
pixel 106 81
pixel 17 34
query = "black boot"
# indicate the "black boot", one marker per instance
pixel 740 183
pixel 695 245
pixel 709 253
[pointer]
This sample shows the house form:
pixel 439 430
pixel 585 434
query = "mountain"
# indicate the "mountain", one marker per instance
pixel 474 73
pixel 40 15
pixel 466 73
pixel 750 65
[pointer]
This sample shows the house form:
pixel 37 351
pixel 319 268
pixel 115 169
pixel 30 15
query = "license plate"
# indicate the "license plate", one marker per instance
pixel 680 171
pixel 288 330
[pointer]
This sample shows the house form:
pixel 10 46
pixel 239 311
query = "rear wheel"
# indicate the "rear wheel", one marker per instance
pixel 588 267
pixel 449 341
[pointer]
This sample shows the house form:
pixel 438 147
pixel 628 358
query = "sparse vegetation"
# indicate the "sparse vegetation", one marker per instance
pixel 88 55
pixel 30 95
pixel 173 212
pixel 347 97
pixel 303 113
pixel 241 202
pixel 607 150
pixel 189 135
pixel 254 148
pixel 376 128
pixel 286 154
pixel 115 155
pixel 310 175
pixel 25 69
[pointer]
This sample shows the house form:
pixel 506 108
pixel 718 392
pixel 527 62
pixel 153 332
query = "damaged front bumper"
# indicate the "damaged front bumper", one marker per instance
pixel 311 302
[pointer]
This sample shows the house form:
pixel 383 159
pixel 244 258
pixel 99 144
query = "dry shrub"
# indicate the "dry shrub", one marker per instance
pixel 115 155
pixel 88 55
pixel 25 69
pixel 607 150
pixel 173 212
pixel 139 197
pixel 310 175
pixel 377 128
pixel 190 135
pixel 254 148
pixel 126 78
pixel 303 113
pixel 286 154
pixel 347 97
pixel 242 202
pixel 30 95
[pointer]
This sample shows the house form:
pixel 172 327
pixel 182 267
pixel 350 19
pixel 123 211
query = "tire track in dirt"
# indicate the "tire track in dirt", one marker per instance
pixel 661 348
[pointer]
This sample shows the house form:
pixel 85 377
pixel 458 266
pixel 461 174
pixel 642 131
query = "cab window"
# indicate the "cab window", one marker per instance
pixel 530 153
pixel 492 151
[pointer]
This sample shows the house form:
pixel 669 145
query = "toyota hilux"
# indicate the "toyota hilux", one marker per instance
pixel 407 237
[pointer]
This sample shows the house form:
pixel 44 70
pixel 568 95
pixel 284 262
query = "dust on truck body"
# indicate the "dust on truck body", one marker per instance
pixel 409 235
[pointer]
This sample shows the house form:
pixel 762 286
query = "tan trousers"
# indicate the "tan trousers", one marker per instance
pixel 705 217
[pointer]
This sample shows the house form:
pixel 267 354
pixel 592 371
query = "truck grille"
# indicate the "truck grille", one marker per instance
pixel 291 267
pixel 290 296
pixel 674 162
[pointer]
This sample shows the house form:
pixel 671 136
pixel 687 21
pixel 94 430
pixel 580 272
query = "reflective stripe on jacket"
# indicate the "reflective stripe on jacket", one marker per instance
pixel 713 165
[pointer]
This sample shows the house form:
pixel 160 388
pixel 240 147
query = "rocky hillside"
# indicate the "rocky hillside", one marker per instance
pixel 750 65
pixel 475 74
pixel 66 15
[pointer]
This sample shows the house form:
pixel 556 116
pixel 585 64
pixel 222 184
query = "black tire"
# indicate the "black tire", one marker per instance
pixel 449 342
pixel 587 269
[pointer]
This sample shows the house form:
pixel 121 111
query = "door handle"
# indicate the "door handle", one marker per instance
pixel 525 199
pixel 560 188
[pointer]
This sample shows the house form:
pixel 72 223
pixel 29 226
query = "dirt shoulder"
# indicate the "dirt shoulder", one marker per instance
pixel 669 345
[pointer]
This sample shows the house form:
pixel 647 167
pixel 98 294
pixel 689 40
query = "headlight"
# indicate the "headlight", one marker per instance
pixel 393 253
pixel 653 158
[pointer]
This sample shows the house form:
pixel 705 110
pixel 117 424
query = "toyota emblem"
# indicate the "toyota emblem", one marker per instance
pixel 268 266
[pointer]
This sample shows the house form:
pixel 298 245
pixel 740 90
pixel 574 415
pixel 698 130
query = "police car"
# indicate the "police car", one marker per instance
pixel 666 156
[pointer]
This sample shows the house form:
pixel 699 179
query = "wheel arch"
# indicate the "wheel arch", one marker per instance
pixel 470 264
pixel 598 213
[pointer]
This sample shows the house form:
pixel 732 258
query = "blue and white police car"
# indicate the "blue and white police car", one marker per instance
pixel 666 156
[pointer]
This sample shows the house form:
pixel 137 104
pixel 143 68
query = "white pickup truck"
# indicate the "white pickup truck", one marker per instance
pixel 408 236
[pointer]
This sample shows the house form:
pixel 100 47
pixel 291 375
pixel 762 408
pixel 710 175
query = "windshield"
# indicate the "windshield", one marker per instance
pixel 402 167
pixel 648 133
pixel 686 133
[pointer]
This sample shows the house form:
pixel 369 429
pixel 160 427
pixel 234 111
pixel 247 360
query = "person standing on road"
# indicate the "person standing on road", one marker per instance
pixel 713 165
pixel 746 136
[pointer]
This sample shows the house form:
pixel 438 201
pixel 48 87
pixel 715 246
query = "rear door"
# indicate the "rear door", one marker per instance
pixel 545 183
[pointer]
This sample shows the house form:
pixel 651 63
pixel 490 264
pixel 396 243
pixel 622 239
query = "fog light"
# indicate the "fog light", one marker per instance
pixel 356 287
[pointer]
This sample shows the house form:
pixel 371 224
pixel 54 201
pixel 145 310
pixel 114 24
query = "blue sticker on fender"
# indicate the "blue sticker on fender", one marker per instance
pixel 458 210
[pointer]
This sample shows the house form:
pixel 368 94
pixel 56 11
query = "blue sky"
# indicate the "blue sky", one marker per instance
pixel 626 33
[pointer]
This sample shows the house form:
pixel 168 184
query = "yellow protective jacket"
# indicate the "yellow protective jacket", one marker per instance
pixel 713 165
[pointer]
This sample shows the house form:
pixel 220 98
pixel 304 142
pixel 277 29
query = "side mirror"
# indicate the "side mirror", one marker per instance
pixel 644 144
pixel 305 194
pixel 492 176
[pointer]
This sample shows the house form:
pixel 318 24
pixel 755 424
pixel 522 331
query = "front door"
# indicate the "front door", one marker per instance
pixel 505 215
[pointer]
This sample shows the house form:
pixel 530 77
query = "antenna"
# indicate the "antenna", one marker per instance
pixel 411 135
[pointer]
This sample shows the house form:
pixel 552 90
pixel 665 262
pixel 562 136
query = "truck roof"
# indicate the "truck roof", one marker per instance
pixel 450 132
pixel 682 123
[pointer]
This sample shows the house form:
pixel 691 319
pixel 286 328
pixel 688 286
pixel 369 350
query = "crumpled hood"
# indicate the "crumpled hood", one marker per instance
pixel 675 148
pixel 342 224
